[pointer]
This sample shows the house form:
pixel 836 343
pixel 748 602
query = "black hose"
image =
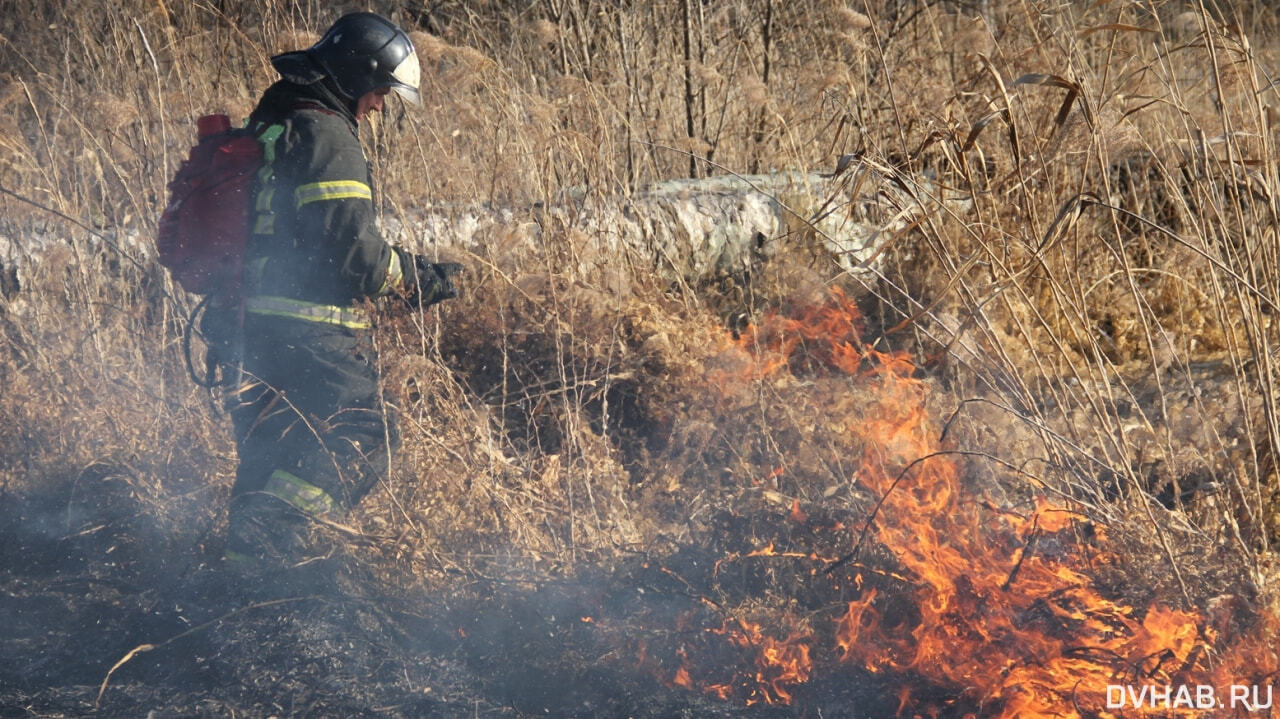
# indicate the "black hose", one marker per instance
pixel 210 379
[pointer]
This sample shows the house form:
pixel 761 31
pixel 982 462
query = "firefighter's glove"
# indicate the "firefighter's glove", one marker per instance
pixel 433 282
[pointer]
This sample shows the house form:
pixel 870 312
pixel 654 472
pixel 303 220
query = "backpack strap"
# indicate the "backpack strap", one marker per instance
pixel 265 221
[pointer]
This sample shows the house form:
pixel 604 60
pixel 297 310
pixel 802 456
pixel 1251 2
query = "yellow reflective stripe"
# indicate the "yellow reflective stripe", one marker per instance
pixel 266 224
pixel 348 317
pixel 395 274
pixel 265 196
pixel 331 190
pixel 303 495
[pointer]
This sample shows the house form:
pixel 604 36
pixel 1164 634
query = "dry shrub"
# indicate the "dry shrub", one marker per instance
pixel 104 438
pixel 547 421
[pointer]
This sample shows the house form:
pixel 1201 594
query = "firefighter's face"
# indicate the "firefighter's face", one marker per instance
pixel 371 101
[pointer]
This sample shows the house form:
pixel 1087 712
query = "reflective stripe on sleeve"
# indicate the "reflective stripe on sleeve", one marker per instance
pixel 331 190
pixel 348 317
pixel 395 274
pixel 303 495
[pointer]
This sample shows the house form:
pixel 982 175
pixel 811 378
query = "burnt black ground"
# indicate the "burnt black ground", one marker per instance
pixel 83 591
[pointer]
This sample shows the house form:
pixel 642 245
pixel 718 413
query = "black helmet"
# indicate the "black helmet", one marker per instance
pixel 361 52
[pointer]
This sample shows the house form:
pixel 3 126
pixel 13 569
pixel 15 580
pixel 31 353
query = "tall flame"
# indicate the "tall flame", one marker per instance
pixel 1024 633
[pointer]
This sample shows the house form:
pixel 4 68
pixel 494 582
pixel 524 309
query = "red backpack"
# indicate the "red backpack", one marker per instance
pixel 203 232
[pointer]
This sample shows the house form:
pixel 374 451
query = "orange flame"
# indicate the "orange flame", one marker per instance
pixel 780 664
pixel 1024 632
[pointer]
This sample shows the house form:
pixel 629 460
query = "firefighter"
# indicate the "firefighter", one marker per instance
pixel 311 432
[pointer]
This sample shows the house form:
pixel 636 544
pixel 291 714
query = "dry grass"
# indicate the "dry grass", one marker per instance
pixel 1103 317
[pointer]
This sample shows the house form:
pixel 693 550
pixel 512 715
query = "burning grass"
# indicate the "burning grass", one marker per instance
pixel 967 607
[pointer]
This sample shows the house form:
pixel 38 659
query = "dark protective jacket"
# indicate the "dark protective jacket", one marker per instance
pixel 315 249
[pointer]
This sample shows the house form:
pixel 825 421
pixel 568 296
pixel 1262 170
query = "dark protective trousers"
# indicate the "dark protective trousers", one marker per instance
pixel 309 424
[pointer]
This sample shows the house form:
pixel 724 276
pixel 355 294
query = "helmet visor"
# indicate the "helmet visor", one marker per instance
pixel 406 77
